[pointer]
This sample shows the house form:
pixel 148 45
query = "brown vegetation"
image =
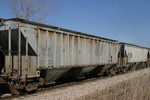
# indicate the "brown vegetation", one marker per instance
pixel 35 10
pixel 134 89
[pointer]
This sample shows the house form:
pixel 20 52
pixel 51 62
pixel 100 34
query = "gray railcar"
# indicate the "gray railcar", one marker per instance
pixel 34 54
pixel 133 55
pixel 136 54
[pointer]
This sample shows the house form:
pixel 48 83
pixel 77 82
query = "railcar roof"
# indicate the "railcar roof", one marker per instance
pixel 133 45
pixel 54 27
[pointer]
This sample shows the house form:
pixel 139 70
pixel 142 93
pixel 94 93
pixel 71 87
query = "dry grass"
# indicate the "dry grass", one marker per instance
pixel 134 89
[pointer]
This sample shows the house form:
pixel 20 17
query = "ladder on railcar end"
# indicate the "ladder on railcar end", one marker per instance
pixel 122 57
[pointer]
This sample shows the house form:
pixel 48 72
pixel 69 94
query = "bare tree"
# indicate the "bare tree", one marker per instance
pixel 36 10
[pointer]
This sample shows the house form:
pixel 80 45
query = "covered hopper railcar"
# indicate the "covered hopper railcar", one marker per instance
pixel 134 56
pixel 130 57
pixel 33 54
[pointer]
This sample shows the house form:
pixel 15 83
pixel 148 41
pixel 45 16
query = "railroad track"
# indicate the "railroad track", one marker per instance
pixel 60 85
pixel 52 87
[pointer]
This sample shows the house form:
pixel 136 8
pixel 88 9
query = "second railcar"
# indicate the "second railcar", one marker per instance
pixel 134 55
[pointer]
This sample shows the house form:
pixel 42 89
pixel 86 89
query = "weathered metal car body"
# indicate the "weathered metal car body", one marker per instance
pixel 134 55
pixel 34 54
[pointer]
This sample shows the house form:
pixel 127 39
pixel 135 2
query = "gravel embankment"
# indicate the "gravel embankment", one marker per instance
pixel 84 89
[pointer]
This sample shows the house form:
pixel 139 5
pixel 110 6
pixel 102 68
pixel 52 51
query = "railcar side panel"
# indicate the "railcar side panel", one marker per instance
pixel 136 54
pixel 51 49
pixel 88 51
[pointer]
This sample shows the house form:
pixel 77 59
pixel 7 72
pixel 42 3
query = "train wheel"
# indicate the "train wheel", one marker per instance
pixel 123 69
pixel 109 73
pixel 31 87
pixel 14 88
pixel 145 65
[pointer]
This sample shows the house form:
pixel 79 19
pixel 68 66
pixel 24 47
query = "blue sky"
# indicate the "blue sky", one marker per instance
pixel 123 20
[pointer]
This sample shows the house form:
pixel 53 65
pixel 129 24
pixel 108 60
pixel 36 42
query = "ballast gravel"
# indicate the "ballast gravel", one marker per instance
pixel 76 91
